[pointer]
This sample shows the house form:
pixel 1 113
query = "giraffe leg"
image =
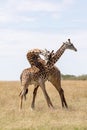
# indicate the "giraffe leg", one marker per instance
pixel 63 100
pixel 49 103
pixel 57 85
pixel 56 81
pixel 34 96
pixel 21 99
pixel 26 91
pixel 22 94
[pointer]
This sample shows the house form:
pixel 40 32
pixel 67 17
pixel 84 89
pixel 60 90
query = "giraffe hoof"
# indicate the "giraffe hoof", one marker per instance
pixel 32 109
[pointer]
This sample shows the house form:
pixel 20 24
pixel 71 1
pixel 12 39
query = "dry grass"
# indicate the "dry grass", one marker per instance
pixel 43 118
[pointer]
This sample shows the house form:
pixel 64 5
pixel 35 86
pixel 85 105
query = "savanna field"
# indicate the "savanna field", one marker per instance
pixel 44 118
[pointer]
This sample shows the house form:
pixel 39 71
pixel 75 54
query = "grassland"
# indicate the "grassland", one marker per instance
pixel 43 118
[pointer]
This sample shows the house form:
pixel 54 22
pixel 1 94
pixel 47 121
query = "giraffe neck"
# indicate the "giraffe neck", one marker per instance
pixel 56 56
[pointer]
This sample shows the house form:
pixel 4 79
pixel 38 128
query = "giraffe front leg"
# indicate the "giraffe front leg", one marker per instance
pixel 63 100
pixel 42 85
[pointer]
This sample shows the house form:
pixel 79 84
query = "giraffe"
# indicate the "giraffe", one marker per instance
pixel 54 76
pixel 37 65
pixel 34 76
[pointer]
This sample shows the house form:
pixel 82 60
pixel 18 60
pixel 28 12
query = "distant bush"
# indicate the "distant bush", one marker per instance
pixel 73 77
pixel 82 77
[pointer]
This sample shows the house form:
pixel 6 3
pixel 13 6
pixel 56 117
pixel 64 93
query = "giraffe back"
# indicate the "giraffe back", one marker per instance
pixel 33 56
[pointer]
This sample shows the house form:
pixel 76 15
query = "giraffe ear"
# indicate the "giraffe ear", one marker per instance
pixel 51 54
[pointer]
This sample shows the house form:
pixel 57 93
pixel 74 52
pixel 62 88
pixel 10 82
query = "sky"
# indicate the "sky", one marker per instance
pixel 30 24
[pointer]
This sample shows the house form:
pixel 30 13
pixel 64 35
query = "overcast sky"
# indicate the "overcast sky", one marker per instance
pixel 28 24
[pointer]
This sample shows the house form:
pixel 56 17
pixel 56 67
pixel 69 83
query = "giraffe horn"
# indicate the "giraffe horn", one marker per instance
pixel 69 40
pixel 52 52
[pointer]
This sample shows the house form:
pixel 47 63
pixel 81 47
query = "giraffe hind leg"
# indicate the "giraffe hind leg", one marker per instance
pixel 21 99
pixel 26 92
pixel 23 94
pixel 34 96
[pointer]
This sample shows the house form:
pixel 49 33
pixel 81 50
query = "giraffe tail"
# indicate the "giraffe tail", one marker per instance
pixel 26 91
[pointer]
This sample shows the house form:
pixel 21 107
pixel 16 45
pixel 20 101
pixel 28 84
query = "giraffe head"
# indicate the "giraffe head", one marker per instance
pixel 47 54
pixel 70 45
